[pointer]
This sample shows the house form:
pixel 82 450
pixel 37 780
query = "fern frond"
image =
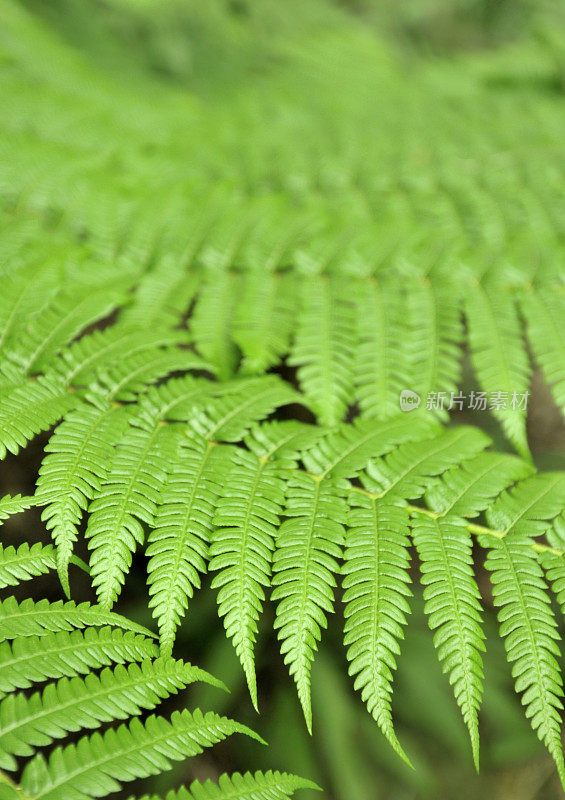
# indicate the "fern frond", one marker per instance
pixel 376 586
pixel 177 399
pixel 285 441
pixel 33 619
pixel 556 534
pixel 381 369
pixel 469 488
pixel 100 764
pixel 308 545
pixel 407 471
pixel 498 355
pixel 246 522
pixel 529 507
pixel 264 319
pixel 544 310
pixel 14 504
pixel 22 295
pixel 554 566
pixel 25 562
pixel 58 323
pixel 433 338
pixel 259 786
pixel 79 455
pixel 163 295
pixel 530 635
pixel 126 381
pixel 34 659
pixel 127 498
pixel 323 348
pixel 79 363
pixel 73 704
pixel 453 605
pixel 178 543
pixel 228 417
pixel 344 452
pixel 212 319
pixel 131 682
pixel 29 408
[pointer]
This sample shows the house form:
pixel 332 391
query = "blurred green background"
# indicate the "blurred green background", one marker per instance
pixel 130 127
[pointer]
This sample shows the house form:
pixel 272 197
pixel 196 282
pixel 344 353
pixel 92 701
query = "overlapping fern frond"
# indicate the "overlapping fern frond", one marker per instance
pixel 287 504
pixel 97 669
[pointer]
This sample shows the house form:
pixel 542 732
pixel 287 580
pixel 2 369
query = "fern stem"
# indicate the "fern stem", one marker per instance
pixel 78 562
pixel 472 527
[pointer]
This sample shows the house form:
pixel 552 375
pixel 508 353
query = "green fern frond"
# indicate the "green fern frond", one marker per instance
pixel 554 566
pixel 453 605
pixel 381 369
pixel 284 441
pixel 29 618
pixel 212 320
pixel 34 659
pixel 57 324
pixel 127 498
pixel 79 455
pixel 178 543
pixel 544 310
pixel 323 348
pixel 79 363
pixel 246 521
pixel 227 418
pixel 263 319
pixel 23 294
pixel 529 507
pixel 162 295
pixel 376 586
pixel 14 504
pixel 433 339
pixel 25 562
pixel 177 399
pixel 342 453
pixel 259 786
pixel 406 472
pixel 81 699
pixel 308 545
pixel 264 240
pixel 556 534
pixel 102 763
pixel 131 681
pixel 73 704
pixel 530 634
pixel 468 489
pixel 498 355
pixel 128 380
pixel 29 408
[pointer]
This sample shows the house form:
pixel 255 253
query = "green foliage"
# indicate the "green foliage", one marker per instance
pixel 216 288
pixel 377 585
pixel 75 698
pixel 452 603
pixel 267 786
pixel 530 633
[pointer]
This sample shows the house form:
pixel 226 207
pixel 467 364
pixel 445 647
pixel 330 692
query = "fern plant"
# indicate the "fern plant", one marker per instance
pixel 217 363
